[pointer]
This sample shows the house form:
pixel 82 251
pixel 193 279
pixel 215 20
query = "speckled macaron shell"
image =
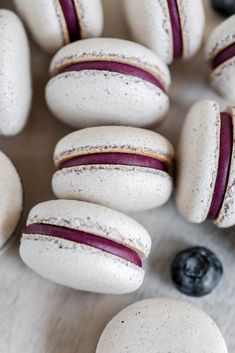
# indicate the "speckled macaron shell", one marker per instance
pixel 80 266
pixel 44 19
pixel 90 17
pixel 15 84
pixel 197 160
pixel 47 23
pixel 11 199
pixel 226 216
pixel 223 77
pixel 192 18
pixel 161 325
pixel 150 23
pixel 122 187
pixel 98 97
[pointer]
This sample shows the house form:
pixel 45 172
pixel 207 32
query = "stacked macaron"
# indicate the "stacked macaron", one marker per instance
pixel 85 246
pixel 220 53
pixel 97 84
pixel 172 28
pixel 121 167
pixel 15 103
pixel 104 81
pixel 11 200
pixel 15 73
pixel 110 88
pixel 116 166
pixel 54 23
pixel 206 165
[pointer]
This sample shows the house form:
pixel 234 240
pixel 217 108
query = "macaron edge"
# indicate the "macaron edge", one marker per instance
pixel 141 245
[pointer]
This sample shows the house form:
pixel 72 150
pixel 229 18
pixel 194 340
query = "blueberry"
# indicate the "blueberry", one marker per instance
pixel 196 271
pixel 225 8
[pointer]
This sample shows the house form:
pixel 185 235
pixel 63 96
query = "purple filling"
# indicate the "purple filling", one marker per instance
pixel 115 158
pixel 71 19
pixel 223 56
pixel 225 154
pixel 88 239
pixel 176 28
pixel 113 66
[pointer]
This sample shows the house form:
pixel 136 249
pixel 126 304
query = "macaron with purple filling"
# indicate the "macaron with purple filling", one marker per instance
pixel 55 23
pixel 161 326
pixel 11 200
pixel 120 167
pixel 220 53
pixel 206 165
pixel 107 81
pixel 85 246
pixel 15 73
pixel 172 28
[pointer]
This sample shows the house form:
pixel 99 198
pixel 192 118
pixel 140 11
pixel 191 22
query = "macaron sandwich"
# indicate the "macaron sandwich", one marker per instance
pixel 55 23
pixel 107 81
pixel 11 200
pixel 220 53
pixel 85 246
pixel 206 165
pixel 120 167
pixel 15 84
pixel 172 28
pixel 162 326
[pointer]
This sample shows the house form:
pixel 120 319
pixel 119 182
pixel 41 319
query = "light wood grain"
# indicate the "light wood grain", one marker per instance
pixel 37 316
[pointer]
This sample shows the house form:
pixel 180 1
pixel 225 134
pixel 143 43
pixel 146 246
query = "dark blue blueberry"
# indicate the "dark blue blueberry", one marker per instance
pixel 196 271
pixel 224 8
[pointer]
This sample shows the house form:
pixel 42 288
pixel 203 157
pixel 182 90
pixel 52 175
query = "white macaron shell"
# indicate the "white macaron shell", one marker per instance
pixel 112 49
pixel 226 216
pixel 150 25
pixel 93 219
pixel 121 187
pixel 161 325
pixel 11 198
pixel 198 156
pixel 192 19
pixel 44 19
pixel 79 266
pixel 223 77
pixel 90 14
pixel 15 85
pixel 92 98
pixel 221 37
pixel 114 139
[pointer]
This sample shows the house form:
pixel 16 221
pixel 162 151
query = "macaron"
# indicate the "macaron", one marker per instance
pixel 121 167
pixel 107 81
pixel 55 23
pixel 172 28
pixel 206 165
pixel 220 53
pixel 15 72
pixel 162 326
pixel 11 200
pixel 85 246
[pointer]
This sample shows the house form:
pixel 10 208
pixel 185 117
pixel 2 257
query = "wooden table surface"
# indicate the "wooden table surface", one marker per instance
pixel 37 316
